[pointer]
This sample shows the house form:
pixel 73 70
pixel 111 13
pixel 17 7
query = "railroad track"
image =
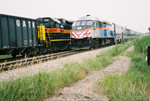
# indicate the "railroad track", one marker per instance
pixel 23 62
pixel 35 60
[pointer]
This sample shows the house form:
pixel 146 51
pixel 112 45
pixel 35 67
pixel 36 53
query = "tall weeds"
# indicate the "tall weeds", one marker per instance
pixel 135 84
pixel 141 43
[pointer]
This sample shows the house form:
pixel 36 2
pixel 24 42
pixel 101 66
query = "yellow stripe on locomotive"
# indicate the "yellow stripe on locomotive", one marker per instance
pixel 41 33
pixel 61 40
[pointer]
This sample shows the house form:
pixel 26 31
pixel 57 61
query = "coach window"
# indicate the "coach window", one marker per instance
pixel 107 25
pixel 104 25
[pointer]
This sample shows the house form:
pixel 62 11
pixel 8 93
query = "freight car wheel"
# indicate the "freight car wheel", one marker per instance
pixel 14 55
pixel 23 54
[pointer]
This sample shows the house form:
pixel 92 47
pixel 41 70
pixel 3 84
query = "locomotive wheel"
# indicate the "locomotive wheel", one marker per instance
pixel 97 43
pixel 100 43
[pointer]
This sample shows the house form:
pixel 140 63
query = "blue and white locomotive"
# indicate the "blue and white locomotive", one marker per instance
pixel 90 32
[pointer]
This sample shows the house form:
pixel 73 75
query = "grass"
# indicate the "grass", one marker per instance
pixel 140 44
pixel 135 84
pixel 5 56
pixel 45 84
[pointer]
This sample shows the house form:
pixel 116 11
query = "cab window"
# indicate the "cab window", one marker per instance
pixel 89 22
pixel 78 23
pixel 83 23
pixel 96 25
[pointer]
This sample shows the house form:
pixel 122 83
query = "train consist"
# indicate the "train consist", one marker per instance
pixel 90 32
pixel 19 35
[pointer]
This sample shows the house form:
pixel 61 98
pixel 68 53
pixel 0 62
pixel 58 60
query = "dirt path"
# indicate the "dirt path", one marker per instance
pixel 84 89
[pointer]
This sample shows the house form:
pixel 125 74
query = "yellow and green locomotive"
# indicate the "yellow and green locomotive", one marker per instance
pixel 54 33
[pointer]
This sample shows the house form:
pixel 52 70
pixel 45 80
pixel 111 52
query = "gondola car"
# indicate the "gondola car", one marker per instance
pixel 18 35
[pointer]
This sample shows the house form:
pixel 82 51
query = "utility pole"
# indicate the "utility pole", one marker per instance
pixel 115 33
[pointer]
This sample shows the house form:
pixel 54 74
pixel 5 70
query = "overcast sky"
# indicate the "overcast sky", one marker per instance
pixel 135 14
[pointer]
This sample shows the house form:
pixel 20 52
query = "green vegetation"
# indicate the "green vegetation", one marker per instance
pixel 140 44
pixel 135 84
pixel 5 56
pixel 43 85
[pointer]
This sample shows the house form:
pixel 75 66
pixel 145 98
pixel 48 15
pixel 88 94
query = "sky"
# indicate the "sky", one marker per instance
pixel 134 14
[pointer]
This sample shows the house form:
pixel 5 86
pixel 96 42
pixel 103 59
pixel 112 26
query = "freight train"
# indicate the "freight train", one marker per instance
pixel 19 35
pixel 90 32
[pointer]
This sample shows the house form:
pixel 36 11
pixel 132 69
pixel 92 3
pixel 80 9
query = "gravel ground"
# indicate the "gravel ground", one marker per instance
pixel 49 65
pixel 84 89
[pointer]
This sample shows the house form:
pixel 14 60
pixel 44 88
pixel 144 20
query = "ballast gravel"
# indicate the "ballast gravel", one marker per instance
pixel 84 90
pixel 49 65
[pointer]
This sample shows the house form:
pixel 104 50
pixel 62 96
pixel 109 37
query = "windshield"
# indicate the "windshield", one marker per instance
pixel 81 25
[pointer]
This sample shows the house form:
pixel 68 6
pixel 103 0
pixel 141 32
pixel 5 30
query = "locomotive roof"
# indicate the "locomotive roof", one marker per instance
pixel 106 22
pixel 16 16
pixel 88 17
pixel 54 19
pixel 65 21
